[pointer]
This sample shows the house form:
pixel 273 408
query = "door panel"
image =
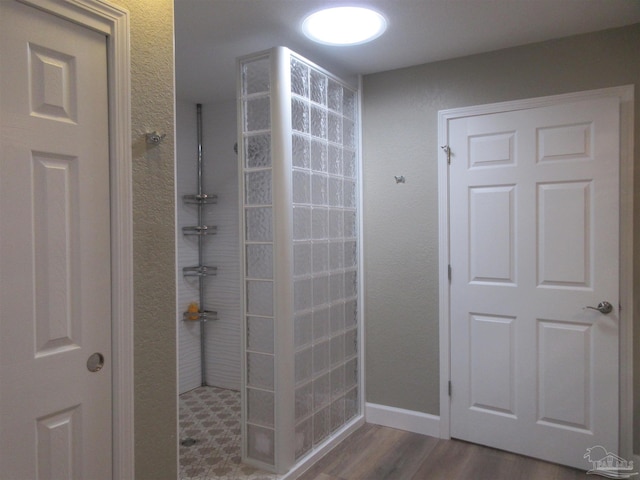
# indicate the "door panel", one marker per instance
pixel 55 265
pixel 534 233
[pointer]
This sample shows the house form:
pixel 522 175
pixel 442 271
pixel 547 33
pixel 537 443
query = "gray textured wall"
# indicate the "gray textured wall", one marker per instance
pixel 400 221
pixel 152 108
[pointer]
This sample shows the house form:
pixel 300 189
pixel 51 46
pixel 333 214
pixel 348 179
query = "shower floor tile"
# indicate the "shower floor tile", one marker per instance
pixel 211 416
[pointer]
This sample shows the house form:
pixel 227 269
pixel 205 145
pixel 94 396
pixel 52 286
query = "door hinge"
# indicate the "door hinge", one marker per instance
pixel 447 152
pixel 449 272
pixel 449 387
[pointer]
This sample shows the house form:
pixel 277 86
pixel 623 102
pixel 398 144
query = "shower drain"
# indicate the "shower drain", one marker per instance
pixel 188 442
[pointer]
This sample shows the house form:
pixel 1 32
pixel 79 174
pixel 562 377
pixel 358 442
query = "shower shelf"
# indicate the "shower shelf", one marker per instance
pixel 203 198
pixel 202 316
pixel 200 230
pixel 199 271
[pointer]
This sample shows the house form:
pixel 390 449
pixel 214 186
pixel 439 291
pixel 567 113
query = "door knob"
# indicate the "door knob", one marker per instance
pixel 603 307
pixel 95 362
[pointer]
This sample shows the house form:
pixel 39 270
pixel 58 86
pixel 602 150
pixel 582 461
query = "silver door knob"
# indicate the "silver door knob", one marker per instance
pixel 95 362
pixel 603 307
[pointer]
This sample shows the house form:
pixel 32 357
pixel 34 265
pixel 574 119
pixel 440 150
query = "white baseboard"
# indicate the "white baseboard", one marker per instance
pixel 409 420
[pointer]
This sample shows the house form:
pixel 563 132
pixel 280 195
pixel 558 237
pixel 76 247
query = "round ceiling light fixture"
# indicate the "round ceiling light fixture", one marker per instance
pixel 344 25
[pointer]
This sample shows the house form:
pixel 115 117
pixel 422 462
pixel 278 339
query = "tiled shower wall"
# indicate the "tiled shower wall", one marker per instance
pixel 222 292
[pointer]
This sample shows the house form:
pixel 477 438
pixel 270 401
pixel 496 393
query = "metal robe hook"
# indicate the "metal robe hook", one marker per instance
pixel 155 138
pixel 399 178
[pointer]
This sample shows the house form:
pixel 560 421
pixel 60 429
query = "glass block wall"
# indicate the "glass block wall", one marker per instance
pixel 259 388
pixel 325 253
pixel 300 171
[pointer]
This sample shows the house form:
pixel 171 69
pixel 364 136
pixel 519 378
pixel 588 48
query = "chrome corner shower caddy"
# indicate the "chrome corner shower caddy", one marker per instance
pixel 200 200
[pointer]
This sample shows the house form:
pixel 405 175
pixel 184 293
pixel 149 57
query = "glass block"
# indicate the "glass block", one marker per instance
pixel 301 186
pixel 301 223
pixel 335 160
pixel 336 256
pixel 261 444
pixel 299 115
pixel 260 261
pixel 350 343
pixel 336 225
pixel 259 297
pixel 319 223
pixel 318 155
pixel 318 87
pixel 258 224
pixel 301 151
pixel 351 404
pixel 336 318
pixel 318 122
pixel 299 78
pixel 349 163
pixel 319 194
pixel 304 401
pixel 350 284
pixel 258 187
pixel 337 382
pixel 260 370
pixel 320 290
pixel 349 103
pixel 348 133
pixel 302 330
pixel 260 407
pixel 257 114
pixel 260 334
pixel 350 254
pixel 336 286
pixel 321 425
pixel 302 294
pixel 351 373
pixel 321 359
pixel 302 259
pixel 350 313
pixel 337 413
pixel 334 98
pixel 350 224
pixel 349 197
pixel 255 76
pixel 321 391
pixel 320 323
pixel 320 257
pixel 303 364
pixel 334 128
pixel 335 192
pixel 257 150
pixel 304 437
pixel 337 352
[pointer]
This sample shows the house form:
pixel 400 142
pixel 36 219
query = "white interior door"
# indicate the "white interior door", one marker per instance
pixel 55 281
pixel 534 229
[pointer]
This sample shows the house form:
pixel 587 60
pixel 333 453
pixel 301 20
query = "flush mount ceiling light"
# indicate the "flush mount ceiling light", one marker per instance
pixel 344 25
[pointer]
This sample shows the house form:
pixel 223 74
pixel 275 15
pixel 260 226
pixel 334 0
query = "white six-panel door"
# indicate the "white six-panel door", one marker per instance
pixel 55 280
pixel 533 241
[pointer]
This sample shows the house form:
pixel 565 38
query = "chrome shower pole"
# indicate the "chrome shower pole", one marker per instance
pixel 203 377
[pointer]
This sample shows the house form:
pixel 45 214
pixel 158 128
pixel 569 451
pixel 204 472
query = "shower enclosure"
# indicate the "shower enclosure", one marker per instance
pixel 301 341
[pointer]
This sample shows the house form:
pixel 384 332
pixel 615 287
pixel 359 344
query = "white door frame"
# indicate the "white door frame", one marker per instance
pixel 625 95
pixel 113 22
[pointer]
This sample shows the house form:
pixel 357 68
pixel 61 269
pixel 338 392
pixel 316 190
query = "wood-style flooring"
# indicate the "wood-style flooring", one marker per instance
pixel 380 453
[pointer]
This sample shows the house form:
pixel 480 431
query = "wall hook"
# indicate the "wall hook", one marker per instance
pixel 155 138
pixel 399 178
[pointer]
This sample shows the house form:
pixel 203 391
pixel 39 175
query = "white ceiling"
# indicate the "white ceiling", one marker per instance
pixel 211 34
